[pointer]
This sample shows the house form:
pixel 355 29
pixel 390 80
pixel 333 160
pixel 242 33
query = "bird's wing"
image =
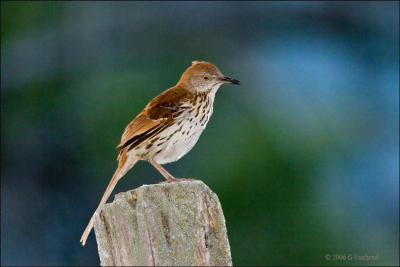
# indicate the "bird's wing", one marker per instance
pixel 156 116
pixel 142 127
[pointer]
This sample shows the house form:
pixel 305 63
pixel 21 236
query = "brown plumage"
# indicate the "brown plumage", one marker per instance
pixel 169 126
pixel 158 113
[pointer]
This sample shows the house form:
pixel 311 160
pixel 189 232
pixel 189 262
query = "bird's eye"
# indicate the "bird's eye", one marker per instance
pixel 205 77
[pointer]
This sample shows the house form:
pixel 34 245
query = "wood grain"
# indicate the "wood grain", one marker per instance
pixel 172 224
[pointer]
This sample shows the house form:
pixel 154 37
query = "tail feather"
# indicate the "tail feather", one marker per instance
pixel 123 167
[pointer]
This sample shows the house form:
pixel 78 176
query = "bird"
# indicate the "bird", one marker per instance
pixel 168 127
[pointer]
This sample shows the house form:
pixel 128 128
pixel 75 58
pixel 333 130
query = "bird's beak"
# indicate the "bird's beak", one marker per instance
pixel 229 80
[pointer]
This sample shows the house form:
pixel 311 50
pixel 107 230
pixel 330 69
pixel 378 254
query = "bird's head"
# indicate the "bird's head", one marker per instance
pixel 203 76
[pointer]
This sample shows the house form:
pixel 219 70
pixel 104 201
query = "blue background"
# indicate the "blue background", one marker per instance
pixel 303 155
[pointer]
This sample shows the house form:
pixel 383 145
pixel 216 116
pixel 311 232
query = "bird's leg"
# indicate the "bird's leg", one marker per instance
pixel 167 175
pixel 163 171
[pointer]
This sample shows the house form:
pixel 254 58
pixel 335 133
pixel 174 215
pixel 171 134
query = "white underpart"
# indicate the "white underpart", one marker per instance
pixel 180 142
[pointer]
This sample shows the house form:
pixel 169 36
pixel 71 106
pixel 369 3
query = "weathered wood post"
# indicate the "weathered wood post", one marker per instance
pixel 172 224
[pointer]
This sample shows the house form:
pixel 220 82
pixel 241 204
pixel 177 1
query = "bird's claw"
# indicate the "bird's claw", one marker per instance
pixel 178 180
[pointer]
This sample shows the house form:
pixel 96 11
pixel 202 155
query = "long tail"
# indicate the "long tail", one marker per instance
pixel 123 167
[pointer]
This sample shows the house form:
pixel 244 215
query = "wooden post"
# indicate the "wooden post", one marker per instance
pixel 172 224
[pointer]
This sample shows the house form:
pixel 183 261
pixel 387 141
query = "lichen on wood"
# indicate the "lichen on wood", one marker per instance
pixel 174 224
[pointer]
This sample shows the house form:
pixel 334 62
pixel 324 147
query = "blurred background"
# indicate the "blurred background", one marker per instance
pixel 303 155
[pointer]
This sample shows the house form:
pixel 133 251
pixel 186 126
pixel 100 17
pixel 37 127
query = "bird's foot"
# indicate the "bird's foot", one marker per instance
pixel 186 180
pixel 178 180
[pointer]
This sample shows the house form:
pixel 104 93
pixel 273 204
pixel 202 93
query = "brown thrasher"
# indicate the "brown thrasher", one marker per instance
pixel 169 126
